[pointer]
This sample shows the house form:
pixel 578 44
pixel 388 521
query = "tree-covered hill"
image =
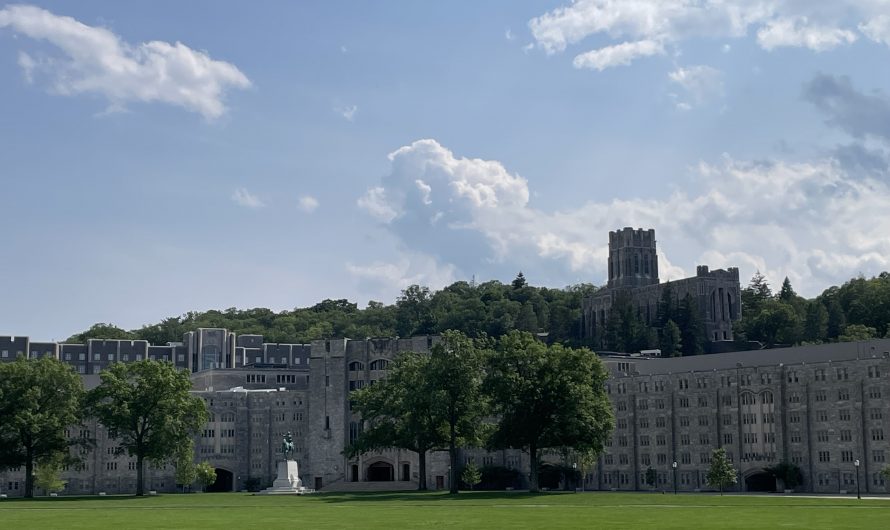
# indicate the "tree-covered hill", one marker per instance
pixel 856 310
pixel 491 308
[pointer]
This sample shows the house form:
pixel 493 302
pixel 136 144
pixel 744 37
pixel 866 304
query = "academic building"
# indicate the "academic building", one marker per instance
pixel 633 273
pixel 821 407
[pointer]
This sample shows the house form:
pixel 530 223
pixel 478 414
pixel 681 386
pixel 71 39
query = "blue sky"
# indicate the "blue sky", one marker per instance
pixel 162 157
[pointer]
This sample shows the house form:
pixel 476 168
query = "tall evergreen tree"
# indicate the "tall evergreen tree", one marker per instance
pixel 816 322
pixel 692 334
pixel 837 320
pixel 671 341
pixel 787 294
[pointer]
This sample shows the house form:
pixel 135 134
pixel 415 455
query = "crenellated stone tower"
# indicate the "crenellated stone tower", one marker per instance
pixel 633 271
pixel 633 261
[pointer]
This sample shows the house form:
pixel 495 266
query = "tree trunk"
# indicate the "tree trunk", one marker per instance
pixel 421 460
pixel 533 469
pixel 452 453
pixel 140 491
pixel 29 473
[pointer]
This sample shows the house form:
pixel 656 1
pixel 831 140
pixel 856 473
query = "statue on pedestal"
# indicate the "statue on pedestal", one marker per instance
pixel 287 446
pixel 288 479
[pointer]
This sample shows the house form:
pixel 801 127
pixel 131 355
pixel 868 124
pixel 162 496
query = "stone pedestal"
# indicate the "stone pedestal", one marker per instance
pixel 287 482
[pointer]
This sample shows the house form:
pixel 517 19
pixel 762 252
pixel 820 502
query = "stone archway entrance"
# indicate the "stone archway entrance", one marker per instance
pixel 225 481
pixel 381 472
pixel 762 481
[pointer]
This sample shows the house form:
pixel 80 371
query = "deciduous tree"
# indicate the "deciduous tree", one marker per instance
pixel 456 374
pixel 721 473
pixel 546 397
pixel 39 400
pixel 206 475
pixel 471 475
pixel 147 407
pixel 401 410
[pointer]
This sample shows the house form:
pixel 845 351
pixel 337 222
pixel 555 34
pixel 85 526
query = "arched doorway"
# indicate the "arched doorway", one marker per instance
pixel 380 472
pixel 762 481
pixel 224 481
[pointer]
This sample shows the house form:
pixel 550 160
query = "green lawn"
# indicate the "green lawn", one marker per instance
pixel 436 510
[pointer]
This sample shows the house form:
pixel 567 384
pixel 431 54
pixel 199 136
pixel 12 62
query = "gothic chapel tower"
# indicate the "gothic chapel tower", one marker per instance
pixel 632 258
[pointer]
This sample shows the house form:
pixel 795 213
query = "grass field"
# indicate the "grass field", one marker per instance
pixel 436 510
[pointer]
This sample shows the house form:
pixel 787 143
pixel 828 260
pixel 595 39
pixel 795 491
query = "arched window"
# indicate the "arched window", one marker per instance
pixel 636 263
pixel 379 364
pixel 356 366
pixel 766 397
pixel 646 264
pixel 749 399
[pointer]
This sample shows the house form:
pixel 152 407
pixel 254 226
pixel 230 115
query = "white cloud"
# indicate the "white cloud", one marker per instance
pixel 509 34
pixel 812 25
pixel 348 112
pixel 618 55
pixel 797 32
pixel 376 204
pixel 307 203
pixel 95 60
pixel 381 279
pixel 726 48
pixel 877 29
pixel 242 197
pixel 811 221
pixel 28 65
pixel 701 82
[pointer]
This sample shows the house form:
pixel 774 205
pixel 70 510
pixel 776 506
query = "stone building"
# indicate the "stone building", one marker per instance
pixel 633 272
pixel 820 407
pixel 255 393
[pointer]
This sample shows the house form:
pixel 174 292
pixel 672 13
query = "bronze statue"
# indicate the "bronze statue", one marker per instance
pixel 287 445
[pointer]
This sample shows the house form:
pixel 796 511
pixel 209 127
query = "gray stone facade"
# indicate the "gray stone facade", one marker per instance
pixel 820 407
pixel 633 272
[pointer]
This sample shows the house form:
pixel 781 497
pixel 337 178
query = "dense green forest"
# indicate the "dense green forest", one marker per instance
pixel 491 308
pixel 856 310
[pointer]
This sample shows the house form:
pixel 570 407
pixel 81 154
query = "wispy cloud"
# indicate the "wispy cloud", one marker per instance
pixel 702 83
pixel 646 27
pixel 348 112
pixel 244 198
pixel 96 60
pixel 307 203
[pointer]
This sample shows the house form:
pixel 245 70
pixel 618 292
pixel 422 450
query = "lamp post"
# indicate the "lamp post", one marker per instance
pixel 856 465
pixel 574 468
pixel 674 465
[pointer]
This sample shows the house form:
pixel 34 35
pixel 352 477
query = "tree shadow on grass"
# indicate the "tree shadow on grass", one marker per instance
pixel 69 498
pixel 426 496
